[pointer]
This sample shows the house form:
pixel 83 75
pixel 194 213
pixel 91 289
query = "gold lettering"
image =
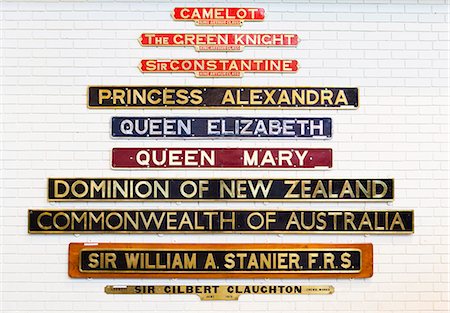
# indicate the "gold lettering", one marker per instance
pixel 185 220
pixel 319 189
pixel 312 259
pixel 104 94
pixel 56 192
pixel 93 260
pixel 289 193
pixel 228 97
pixel 231 191
pixel 328 260
pixel 119 224
pixel 341 98
pixel 41 226
pixel 346 189
pixel 293 221
pixel 348 220
pixel 375 183
pixel 67 218
pixel 346 261
pixel 99 218
pixel 97 188
pixel 397 221
pixel 75 218
pixel 365 220
pixel 229 261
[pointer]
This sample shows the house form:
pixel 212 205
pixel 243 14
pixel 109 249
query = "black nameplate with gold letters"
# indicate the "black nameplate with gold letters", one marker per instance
pixel 162 260
pixel 163 189
pixel 219 221
pixel 139 97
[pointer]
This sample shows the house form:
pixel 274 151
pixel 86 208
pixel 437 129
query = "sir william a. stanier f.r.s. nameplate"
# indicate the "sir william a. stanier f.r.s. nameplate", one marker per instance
pixel 146 260
pixel 166 189
pixel 193 97
pixel 220 292
pixel 221 127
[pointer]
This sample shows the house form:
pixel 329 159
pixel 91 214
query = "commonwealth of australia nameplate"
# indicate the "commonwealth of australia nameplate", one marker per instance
pixel 130 221
pixel 222 68
pixel 218 16
pixel 217 42
pixel 176 189
pixel 193 97
pixel 144 260
pixel 221 158
pixel 221 127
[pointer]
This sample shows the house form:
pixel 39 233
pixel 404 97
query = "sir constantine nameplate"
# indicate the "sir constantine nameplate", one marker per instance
pixel 164 189
pixel 218 42
pixel 218 67
pixel 218 16
pixel 211 292
pixel 145 260
pixel 221 158
pixel 129 221
pixel 222 97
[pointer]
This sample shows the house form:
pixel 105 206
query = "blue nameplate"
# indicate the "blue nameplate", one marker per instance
pixel 221 127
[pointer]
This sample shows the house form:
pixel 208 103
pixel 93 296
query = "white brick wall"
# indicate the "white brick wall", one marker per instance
pixel 394 51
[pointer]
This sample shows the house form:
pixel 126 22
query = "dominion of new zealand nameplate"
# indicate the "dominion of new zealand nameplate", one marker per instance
pixel 221 127
pixel 222 97
pixel 144 260
pixel 165 189
pixel 55 221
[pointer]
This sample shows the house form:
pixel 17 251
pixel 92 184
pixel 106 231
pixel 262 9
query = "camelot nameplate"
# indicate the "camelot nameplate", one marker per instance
pixel 129 221
pixel 222 97
pixel 165 189
pixel 145 260
pixel 218 16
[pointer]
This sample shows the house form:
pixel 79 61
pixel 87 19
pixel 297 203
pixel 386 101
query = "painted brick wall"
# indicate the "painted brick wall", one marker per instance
pixel 394 51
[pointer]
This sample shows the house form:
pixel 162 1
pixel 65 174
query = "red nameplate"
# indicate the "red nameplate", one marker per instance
pixel 250 158
pixel 218 16
pixel 219 42
pixel 219 67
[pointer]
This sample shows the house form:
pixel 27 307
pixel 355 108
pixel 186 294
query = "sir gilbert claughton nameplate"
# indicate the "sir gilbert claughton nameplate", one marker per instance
pixel 144 260
pixel 163 189
pixel 54 221
pixel 211 292
pixel 221 158
pixel 221 127
pixel 222 97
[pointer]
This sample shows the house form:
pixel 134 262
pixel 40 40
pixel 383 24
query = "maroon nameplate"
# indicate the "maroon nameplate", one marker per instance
pixel 250 158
